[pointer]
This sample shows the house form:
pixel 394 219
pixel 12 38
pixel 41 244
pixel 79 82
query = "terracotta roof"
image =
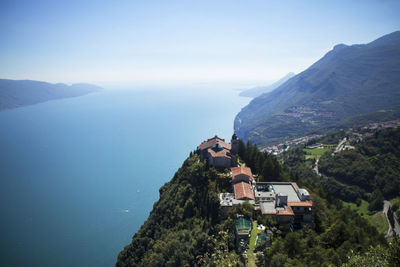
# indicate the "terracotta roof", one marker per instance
pixel 243 190
pixel 241 170
pixel 301 204
pixel 212 141
pixel 221 153
pixel 288 211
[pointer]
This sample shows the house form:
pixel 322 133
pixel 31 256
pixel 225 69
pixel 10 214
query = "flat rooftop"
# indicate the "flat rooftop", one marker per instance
pixel 268 207
pixel 228 200
pixel 287 189
pixel 263 194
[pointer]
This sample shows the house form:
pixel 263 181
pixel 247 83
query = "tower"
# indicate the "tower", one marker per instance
pixel 234 144
pixel 234 150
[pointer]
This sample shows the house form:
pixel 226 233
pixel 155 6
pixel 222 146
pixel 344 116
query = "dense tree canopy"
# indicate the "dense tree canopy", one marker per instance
pixel 264 165
pixel 374 164
pixel 185 229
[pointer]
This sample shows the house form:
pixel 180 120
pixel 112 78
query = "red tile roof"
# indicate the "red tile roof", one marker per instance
pixel 288 211
pixel 241 170
pixel 212 141
pixel 243 190
pixel 301 204
pixel 222 153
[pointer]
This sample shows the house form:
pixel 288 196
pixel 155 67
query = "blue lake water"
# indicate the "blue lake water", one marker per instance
pixel 79 176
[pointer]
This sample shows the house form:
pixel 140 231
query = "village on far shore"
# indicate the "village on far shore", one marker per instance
pixel 289 205
pixel 355 133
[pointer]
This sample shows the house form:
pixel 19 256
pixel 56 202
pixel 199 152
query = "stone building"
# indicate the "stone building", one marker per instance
pixel 219 153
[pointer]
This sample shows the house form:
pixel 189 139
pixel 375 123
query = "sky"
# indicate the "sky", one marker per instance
pixel 119 41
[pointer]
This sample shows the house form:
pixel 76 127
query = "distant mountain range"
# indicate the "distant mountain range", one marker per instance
pixel 259 90
pixel 347 82
pixel 18 93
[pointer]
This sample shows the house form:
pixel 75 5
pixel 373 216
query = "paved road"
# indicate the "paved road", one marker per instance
pixel 386 205
pixel 396 228
pixel 316 167
pixel 340 145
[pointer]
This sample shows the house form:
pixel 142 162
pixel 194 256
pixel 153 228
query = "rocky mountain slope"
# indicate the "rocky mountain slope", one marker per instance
pixel 346 82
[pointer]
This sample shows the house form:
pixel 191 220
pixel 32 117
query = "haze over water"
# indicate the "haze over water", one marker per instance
pixel 79 176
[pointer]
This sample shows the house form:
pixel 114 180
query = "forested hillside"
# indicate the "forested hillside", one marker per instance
pixel 351 174
pixel 185 229
pixel 372 167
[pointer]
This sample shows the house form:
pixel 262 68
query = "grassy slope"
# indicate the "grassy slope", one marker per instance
pixel 315 153
pixel 377 219
pixel 250 253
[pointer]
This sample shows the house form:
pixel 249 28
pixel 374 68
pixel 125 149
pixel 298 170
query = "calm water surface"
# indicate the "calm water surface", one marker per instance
pixel 79 176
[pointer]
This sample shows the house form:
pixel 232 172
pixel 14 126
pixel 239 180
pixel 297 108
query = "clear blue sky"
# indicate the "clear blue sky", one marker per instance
pixel 195 41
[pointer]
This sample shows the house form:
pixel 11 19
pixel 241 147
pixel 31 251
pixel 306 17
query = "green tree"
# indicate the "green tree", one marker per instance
pixel 376 201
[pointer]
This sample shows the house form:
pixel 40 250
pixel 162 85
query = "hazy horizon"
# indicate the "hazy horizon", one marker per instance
pixel 156 42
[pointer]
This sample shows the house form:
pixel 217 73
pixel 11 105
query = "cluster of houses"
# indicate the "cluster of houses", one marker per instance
pixel 382 125
pixel 289 204
pixel 282 147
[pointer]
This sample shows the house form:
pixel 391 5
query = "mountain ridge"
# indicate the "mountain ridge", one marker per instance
pixel 19 93
pixel 347 81
pixel 259 90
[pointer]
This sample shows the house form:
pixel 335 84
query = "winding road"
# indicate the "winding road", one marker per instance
pixel 316 167
pixel 396 228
